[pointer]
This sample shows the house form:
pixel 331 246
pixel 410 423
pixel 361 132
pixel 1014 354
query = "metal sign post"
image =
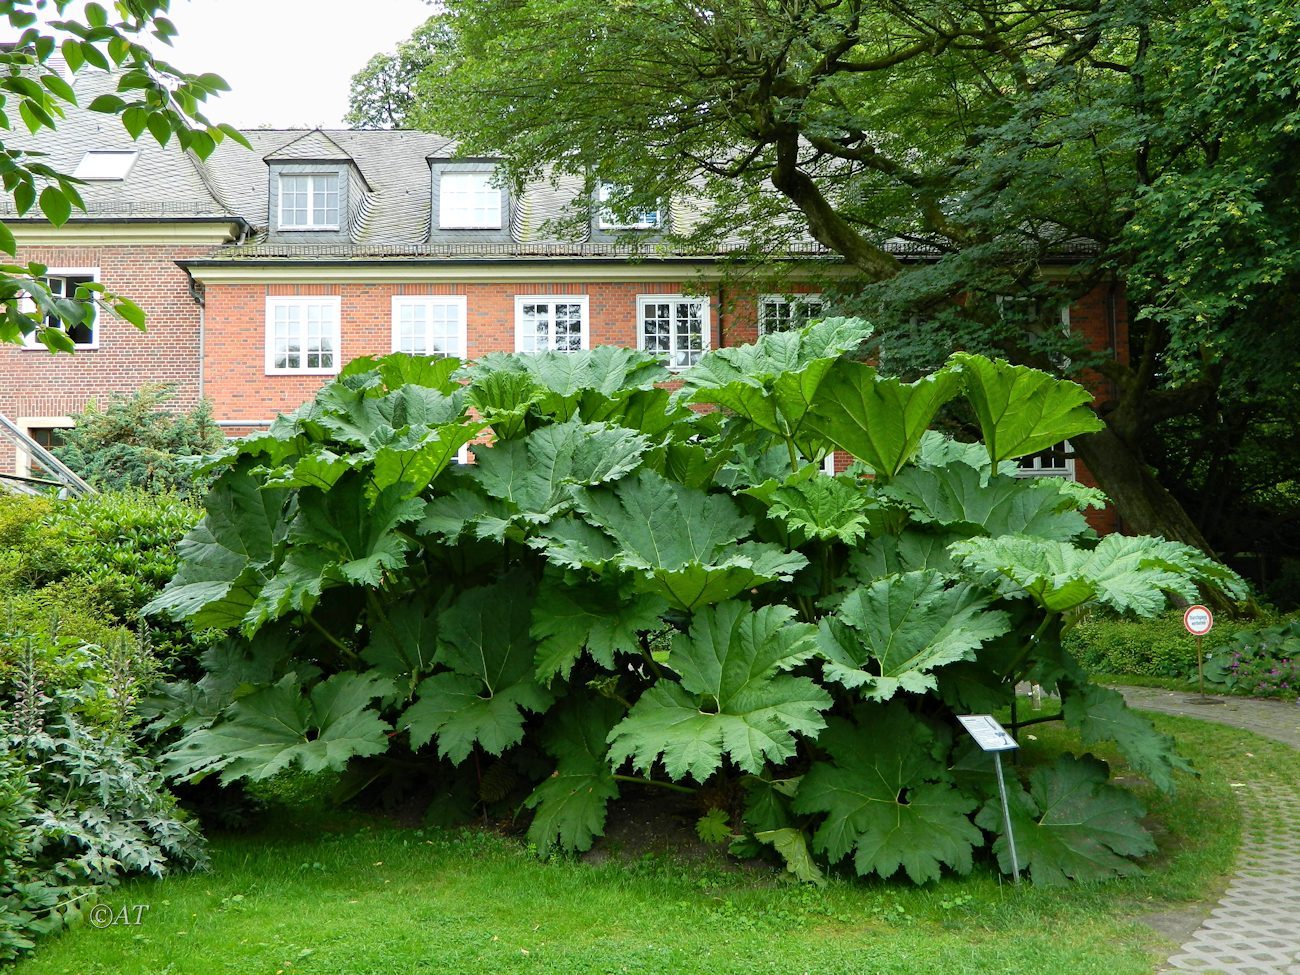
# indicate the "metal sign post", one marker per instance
pixel 1198 620
pixel 992 737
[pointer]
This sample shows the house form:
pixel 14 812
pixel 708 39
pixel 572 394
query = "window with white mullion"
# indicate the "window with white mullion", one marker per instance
pixel 1057 461
pixel 468 201
pixel 309 201
pixel 433 326
pixel 674 326
pixel 784 313
pixel 551 324
pixel 65 284
pixel 303 336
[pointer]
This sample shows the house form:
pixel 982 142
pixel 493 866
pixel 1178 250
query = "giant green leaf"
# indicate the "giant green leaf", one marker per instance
pixel 891 636
pixel 774 382
pixel 878 420
pixel 812 505
pixel 1124 573
pixel 906 552
pixel 961 498
pixel 590 614
pixel 224 560
pixel 571 803
pixel 404 638
pixel 415 458
pixel 273 728
pixel 484 642
pixel 887 797
pixel 678 542
pixel 733 698
pixel 1100 714
pixel 536 474
pixel 1071 825
pixel 1022 410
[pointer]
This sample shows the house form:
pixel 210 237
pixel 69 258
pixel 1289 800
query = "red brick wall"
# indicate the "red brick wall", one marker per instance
pixel 35 383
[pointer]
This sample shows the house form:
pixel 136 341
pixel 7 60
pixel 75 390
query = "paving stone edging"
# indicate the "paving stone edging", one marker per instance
pixel 1255 927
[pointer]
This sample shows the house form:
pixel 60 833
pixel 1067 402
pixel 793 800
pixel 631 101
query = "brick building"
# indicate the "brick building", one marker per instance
pixel 263 272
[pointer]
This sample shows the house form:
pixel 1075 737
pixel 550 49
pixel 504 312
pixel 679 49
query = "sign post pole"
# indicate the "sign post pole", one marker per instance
pixel 1006 819
pixel 992 737
pixel 1198 621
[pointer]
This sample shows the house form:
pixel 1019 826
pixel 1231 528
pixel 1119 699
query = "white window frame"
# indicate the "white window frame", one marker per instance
pixel 583 301
pixel 605 220
pixel 462 217
pixel 428 302
pixel 793 301
pixel 23 458
pixel 1037 470
pixel 106 165
pixel 275 301
pixel 706 326
pixel 31 342
pixel 313 180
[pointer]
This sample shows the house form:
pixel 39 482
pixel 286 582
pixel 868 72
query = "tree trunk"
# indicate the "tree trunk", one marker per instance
pixel 1144 504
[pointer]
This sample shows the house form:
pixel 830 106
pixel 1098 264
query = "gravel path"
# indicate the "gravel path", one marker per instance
pixel 1255 927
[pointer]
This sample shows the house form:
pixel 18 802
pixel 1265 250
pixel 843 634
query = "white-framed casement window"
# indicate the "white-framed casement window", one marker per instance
pixel 468 201
pixel 785 313
pixel 674 326
pixel 637 220
pixel 63 283
pixel 302 335
pixel 1057 461
pixel 429 325
pixel 46 431
pixel 555 323
pixel 309 201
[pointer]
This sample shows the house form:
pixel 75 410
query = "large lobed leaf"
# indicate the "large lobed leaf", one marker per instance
pixel 570 805
pixel 892 635
pixel 1100 714
pixel 594 614
pixel 277 726
pixel 888 798
pixel 733 698
pixel 1022 410
pixel 1072 824
pixel 483 642
pixel 878 420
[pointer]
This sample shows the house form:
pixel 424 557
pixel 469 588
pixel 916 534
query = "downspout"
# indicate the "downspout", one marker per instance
pixel 196 293
pixel 722 304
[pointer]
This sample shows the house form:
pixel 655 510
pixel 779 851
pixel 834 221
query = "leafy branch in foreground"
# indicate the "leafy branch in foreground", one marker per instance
pixel 625 592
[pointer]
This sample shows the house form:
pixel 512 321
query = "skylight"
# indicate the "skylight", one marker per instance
pixel 105 164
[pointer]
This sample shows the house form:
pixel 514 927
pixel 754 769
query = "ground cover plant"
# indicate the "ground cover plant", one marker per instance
pixel 319 892
pixel 623 589
pixel 1260 662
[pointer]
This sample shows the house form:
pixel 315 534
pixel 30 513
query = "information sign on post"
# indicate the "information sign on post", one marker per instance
pixel 992 737
pixel 1199 621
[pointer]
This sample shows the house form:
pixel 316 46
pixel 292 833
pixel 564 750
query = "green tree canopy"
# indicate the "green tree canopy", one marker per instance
pixel 153 96
pixel 1153 142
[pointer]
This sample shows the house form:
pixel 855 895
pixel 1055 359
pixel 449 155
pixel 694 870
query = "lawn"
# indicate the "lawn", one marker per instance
pixel 312 895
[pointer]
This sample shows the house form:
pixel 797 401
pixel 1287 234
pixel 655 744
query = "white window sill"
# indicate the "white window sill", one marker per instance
pixel 302 372
pixel 495 226
pixel 307 227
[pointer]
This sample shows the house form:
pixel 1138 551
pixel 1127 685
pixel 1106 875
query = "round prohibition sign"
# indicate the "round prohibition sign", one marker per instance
pixel 1198 620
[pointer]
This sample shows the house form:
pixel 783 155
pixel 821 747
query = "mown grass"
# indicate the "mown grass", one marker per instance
pixel 317 895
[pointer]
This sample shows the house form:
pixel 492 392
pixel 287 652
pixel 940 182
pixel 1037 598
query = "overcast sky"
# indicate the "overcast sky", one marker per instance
pixel 288 62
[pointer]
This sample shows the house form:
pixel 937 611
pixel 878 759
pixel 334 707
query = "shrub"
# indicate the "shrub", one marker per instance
pixel 498 629
pixel 99 556
pixel 81 808
pixel 135 443
pixel 1159 647
pixel 1260 662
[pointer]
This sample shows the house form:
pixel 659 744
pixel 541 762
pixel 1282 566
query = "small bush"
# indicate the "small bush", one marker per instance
pixel 96 560
pixel 81 808
pixel 1158 647
pixel 136 443
pixel 1260 662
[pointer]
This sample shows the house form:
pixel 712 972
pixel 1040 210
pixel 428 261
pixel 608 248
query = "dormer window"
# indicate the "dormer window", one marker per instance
pixel 635 220
pixel 468 201
pixel 105 166
pixel 309 201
